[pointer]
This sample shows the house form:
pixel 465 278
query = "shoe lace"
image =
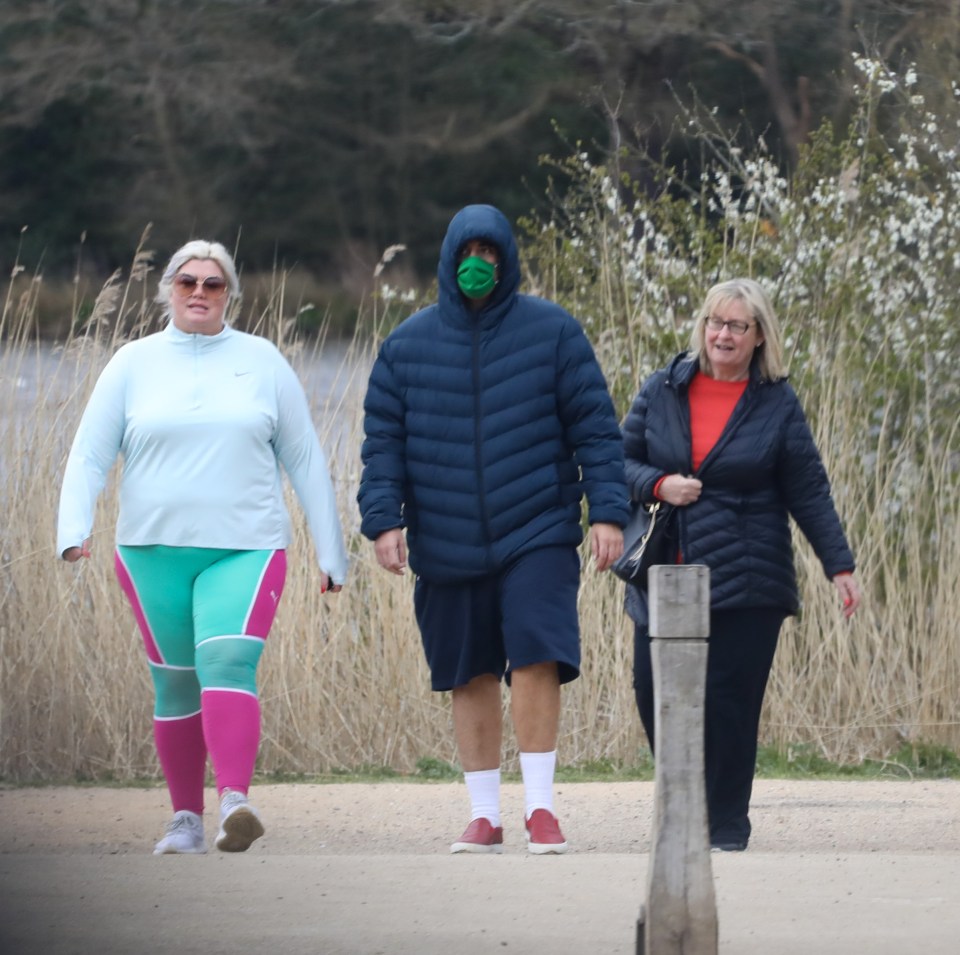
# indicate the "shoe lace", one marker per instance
pixel 181 822
pixel 232 799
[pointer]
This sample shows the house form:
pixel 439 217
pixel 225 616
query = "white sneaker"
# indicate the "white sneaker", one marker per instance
pixel 184 835
pixel 240 823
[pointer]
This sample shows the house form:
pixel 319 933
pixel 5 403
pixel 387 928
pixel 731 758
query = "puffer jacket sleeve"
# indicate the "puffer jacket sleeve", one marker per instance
pixel 642 476
pixel 381 492
pixel 806 490
pixel 590 424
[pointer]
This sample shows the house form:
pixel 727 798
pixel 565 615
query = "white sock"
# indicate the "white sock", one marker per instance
pixel 484 789
pixel 537 770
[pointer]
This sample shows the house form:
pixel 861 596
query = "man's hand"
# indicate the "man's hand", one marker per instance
pixel 391 550
pixel 606 544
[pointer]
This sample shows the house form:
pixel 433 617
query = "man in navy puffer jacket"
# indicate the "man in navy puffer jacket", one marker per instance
pixel 487 420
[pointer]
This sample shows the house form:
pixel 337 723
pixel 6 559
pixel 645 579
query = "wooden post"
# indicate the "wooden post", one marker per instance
pixel 680 916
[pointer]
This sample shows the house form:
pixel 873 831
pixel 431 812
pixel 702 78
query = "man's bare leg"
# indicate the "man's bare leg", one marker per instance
pixel 478 727
pixel 535 707
pixel 478 723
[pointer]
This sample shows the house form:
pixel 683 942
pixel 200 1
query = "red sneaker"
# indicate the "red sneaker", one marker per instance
pixel 543 833
pixel 480 836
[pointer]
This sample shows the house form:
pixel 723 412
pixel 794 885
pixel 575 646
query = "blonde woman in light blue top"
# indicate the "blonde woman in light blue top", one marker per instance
pixel 204 417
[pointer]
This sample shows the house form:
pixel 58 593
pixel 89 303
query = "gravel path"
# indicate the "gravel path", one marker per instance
pixel 350 869
pixel 405 818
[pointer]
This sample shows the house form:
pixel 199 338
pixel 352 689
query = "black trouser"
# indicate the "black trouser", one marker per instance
pixel 741 648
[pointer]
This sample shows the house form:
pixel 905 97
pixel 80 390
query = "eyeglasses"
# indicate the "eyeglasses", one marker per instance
pixel 737 328
pixel 184 283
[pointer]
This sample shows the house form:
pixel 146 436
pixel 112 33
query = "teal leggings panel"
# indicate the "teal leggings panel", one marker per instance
pixel 229 663
pixel 204 615
pixel 176 692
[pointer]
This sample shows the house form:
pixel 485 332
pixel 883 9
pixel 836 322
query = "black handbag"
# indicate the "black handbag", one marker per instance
pixel 646 541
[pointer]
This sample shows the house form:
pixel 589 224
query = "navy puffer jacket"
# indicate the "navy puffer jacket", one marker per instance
pixel 764 467
pixel 484 429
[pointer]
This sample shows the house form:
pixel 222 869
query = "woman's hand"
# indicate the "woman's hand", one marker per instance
pixel 327 586
pixel 72 554
pixel 679 490
pixel 849 591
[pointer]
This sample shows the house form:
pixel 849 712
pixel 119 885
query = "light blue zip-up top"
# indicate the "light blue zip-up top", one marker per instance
pixel 203 423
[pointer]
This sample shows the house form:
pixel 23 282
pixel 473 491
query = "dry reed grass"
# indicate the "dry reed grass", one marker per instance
pixel 343 682
pixel 889 676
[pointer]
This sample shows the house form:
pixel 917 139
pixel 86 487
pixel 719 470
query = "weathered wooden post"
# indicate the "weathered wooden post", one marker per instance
pixel 680 916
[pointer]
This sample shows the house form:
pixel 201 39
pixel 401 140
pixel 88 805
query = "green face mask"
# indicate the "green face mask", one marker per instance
pixel 476 277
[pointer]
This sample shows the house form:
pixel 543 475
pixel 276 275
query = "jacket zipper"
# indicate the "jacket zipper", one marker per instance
pixel 478 440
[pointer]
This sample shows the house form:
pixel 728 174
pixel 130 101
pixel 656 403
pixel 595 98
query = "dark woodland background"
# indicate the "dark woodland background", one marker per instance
pixel 316 134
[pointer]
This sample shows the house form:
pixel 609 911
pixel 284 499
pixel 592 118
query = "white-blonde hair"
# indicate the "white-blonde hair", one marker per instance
pixel 769 355
pixel 201 250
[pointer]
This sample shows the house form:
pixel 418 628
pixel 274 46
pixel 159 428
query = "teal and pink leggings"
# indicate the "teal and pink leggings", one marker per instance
pixel 204 615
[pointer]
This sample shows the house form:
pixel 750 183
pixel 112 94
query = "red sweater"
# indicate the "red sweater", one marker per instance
pixel 711 404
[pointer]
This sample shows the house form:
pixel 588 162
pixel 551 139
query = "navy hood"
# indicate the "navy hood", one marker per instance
pixel 490 224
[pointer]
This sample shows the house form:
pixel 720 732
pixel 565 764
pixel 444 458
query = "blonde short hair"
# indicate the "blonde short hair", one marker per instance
pixel 202 250
pixel 769 356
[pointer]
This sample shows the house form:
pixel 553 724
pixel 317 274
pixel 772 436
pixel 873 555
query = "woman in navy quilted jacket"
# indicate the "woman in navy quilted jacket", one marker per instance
pixel 721 435
pixel 487 419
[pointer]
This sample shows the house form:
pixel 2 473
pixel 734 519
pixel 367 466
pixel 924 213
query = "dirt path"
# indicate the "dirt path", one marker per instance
pixel 409 818
pixel 350 868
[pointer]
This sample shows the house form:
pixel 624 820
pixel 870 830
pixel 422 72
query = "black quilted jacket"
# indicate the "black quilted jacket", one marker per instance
pixel 764 467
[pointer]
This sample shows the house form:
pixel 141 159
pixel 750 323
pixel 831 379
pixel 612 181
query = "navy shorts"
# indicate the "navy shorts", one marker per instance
pixel 523 615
